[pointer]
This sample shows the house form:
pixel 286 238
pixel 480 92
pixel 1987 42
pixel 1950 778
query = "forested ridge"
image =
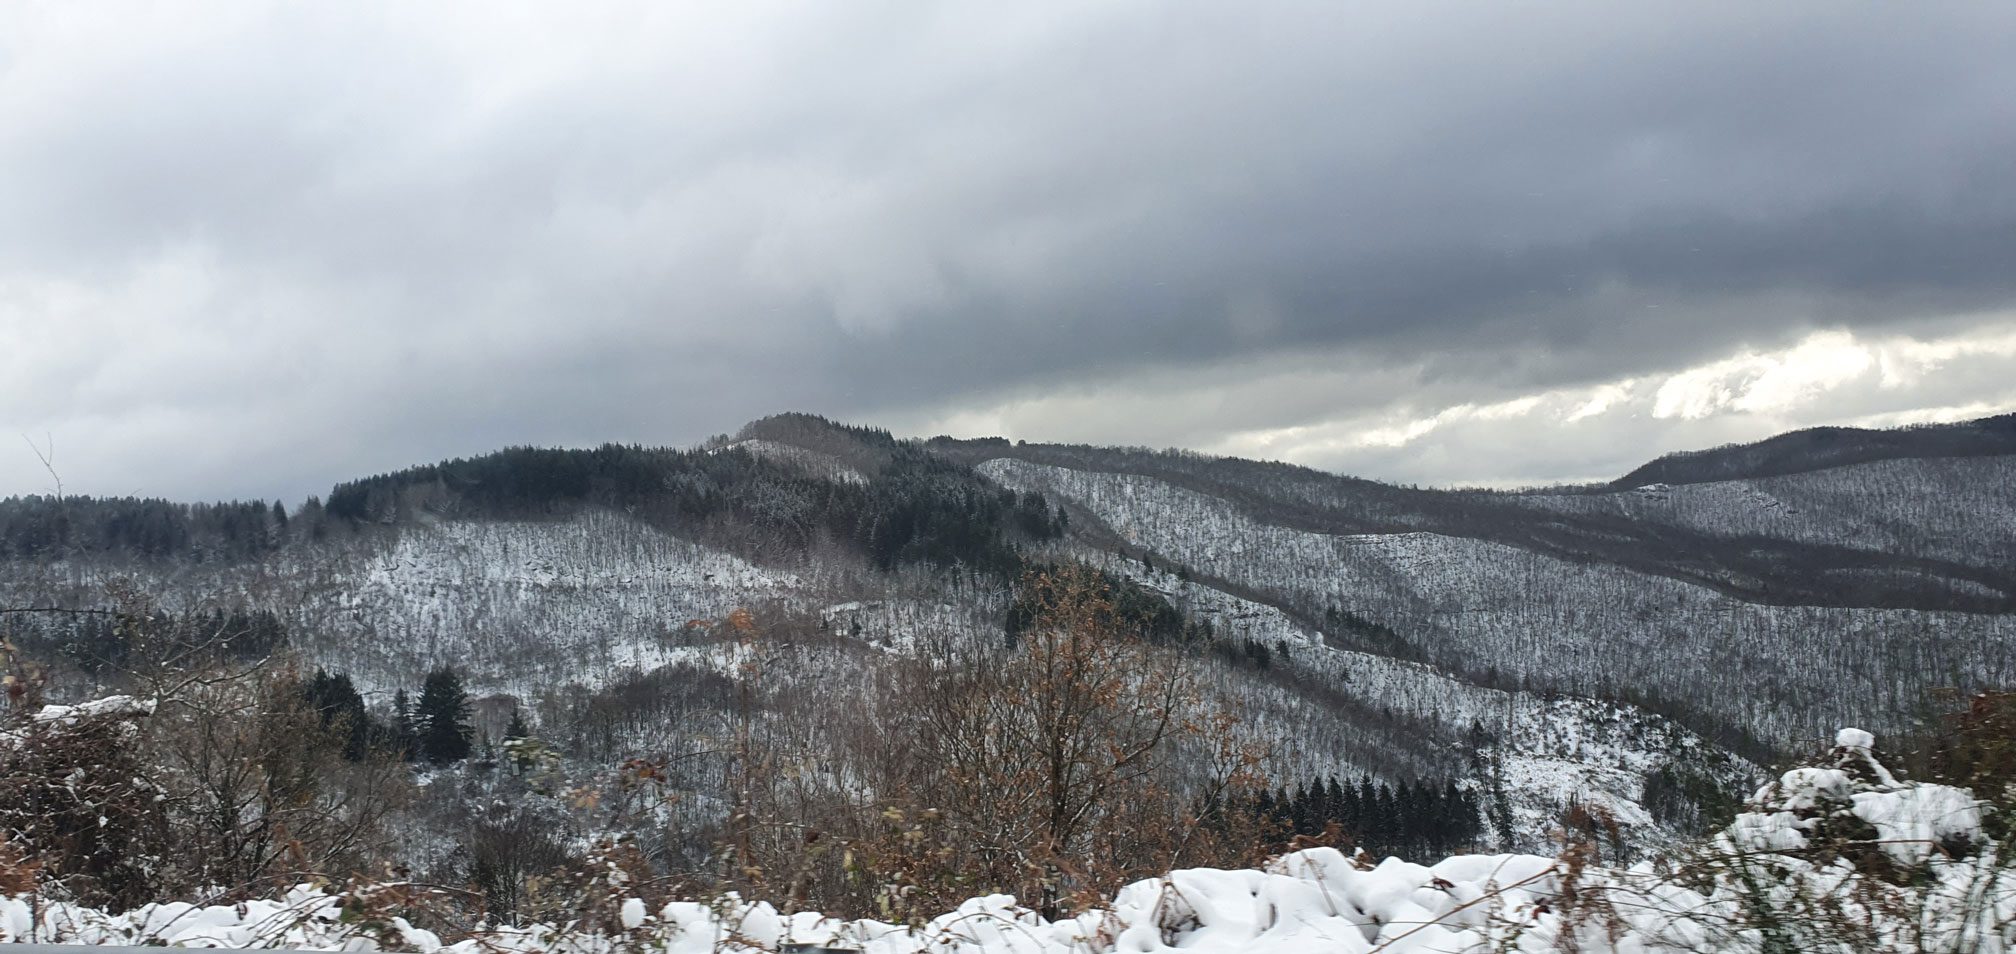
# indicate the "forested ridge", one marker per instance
pixel 1815 448
pixel 918 508
pixel 1756 566
pixel 1413 671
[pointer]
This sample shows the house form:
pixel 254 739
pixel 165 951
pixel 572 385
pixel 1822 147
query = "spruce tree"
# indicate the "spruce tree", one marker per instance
pixel 519 746
pixel 442 718
pixel 1305 817
pixel 405 737
pixel 1458 819
pixel 338 705
pixel 1371 830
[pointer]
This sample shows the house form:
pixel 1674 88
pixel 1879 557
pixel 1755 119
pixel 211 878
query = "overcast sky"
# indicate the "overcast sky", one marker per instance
pixel 250 250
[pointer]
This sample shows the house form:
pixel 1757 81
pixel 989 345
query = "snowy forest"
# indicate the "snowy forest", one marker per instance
pixel 818 675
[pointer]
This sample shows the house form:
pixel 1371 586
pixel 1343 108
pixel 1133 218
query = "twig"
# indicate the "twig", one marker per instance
pixel 1492 894
pixel 60 609
pixel 48 460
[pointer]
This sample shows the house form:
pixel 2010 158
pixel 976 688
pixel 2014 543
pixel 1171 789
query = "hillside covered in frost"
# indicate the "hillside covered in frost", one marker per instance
pixel 641 632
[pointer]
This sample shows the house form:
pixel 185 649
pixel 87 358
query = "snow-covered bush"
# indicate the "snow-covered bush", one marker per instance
pixel 1843 856
pixel 76 809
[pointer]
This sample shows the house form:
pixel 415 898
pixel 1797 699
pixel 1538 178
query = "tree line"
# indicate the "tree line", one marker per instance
pixel 39 527
pixel 1416 819
pixel 916 508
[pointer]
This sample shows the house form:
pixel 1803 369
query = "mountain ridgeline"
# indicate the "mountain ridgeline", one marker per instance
pixel 1818 448
pixel 917 509
pixel 920 509
pixel 1532 649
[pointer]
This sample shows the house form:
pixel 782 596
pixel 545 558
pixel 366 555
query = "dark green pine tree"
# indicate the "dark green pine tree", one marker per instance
pixel 405 734
pixel 339 706
pixel 1335 807
pixel 1348 814
pixel 1461 818
pixel 519 755
pixel 1305 817
pixel 442 718
pixel 1382 821
pixel 1371 834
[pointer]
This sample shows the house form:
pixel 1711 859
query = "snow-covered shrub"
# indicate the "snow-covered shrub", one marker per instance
pixel 76 806
pixel 1843 856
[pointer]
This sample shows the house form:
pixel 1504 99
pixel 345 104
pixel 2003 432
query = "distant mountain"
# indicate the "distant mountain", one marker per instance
pixel 1818 448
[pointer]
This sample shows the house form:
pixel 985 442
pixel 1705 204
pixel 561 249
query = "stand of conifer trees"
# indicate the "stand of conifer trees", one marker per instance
pixel 1419 820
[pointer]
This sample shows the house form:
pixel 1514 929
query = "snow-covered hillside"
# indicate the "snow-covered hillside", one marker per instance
pixel 1544 750
pixel 1454 643
pixel 526 609
pixel 515 606
pixel 1513 616
pixel 1956 508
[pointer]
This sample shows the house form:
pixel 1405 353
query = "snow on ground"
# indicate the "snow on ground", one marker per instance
pixel 1315 900
pixel 1760 886
pixel 114 707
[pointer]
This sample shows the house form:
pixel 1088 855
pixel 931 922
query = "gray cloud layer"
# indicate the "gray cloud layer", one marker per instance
pixel 247 250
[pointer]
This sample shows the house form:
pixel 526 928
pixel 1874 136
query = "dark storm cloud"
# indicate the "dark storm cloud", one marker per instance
pixel 279 247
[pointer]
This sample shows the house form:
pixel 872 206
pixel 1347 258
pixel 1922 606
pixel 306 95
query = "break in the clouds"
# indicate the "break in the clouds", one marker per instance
pixel 250 249
pixel 1480 432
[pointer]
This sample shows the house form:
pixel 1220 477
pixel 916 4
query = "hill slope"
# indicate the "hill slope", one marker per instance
pixel 1549 646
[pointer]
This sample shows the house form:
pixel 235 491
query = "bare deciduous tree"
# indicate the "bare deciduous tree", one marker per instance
pixel 1033 751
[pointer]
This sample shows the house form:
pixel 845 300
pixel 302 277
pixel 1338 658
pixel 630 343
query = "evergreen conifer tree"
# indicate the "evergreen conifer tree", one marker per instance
pixel 405 736
pixel 519 746
pixel 338 704
pixel 442 718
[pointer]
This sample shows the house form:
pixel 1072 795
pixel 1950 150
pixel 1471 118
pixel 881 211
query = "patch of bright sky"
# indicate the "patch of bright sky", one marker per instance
pixel 1828 377
pixel 1460 432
